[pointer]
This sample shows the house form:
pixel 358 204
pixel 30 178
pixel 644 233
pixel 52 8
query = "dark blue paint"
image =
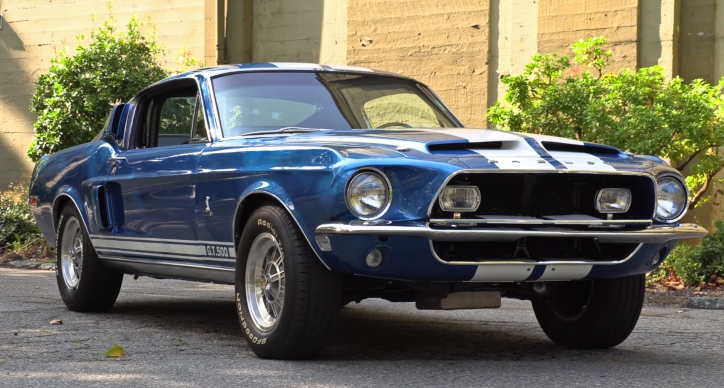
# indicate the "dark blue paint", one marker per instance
pixel 160 192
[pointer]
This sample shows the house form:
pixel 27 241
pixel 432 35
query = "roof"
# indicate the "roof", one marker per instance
pixel 280 66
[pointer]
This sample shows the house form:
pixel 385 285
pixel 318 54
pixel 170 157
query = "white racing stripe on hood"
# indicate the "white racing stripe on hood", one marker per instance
pixel 516 153
pixel 581 161
pixel 519 155
pixel 572 160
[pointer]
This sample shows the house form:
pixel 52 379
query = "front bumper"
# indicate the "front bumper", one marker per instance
pixel 651 234
pixel 412 257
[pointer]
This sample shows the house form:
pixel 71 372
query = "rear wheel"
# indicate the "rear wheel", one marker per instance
pixel 287 301
pixel 84 283
pixel 593 314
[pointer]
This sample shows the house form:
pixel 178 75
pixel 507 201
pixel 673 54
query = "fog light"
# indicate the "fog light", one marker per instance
pixel 324 243
pixel 613 200
pixel 374 258
pixel 460 199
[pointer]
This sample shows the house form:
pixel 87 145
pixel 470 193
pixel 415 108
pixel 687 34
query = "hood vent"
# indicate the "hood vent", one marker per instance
pixel 446 147
pixel 584 148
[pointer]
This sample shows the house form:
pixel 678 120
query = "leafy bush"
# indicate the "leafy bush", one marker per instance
pixel 695 264
pixel 17 226
pixel 638 111
pixel 74 98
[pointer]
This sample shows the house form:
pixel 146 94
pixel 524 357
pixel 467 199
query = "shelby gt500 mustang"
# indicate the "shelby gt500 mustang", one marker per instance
pixel 312 186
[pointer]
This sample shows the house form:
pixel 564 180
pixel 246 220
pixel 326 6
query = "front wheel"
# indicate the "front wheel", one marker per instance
pixel 286 300
pixel 84 283
pixel 592 314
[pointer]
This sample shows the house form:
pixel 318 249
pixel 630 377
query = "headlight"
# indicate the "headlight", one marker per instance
pixel 671 196
pixel 460 199
pixel 368 194
pixel 613 200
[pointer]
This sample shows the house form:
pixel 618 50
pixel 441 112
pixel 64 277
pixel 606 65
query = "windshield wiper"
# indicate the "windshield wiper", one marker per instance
pixel 283 130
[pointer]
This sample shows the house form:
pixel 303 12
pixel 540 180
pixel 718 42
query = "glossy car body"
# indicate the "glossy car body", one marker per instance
pixel 178 209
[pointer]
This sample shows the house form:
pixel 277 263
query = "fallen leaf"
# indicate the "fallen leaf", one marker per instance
pixel 56 322
pixel 115 351
pixel 680 311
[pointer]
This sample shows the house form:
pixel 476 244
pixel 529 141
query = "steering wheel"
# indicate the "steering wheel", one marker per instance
pixel 394 124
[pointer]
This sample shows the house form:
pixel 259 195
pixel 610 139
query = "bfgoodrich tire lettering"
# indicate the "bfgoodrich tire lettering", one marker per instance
pixel 286 300
pixel 84 283
pixel 592 314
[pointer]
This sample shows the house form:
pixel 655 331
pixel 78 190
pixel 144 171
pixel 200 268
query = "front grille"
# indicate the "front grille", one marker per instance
pixel 551 194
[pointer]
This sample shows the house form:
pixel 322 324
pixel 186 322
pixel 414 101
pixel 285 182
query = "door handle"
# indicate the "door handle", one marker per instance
pixel 116 160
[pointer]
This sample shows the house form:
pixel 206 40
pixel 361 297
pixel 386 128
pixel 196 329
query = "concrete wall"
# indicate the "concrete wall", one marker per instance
pixel 441 43
pixel 513 41
pixel 286 31
pixel 562 22
pixel 32 30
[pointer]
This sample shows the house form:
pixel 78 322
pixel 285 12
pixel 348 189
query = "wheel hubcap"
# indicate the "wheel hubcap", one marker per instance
pixel 71 253
pixel 265 281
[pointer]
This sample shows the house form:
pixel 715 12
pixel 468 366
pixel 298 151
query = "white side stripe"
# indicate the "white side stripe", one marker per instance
pixel 193 250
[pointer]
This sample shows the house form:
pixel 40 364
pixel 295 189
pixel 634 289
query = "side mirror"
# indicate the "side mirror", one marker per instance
pixel 118 120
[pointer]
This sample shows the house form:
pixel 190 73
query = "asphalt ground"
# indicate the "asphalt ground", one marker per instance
pixel 185 334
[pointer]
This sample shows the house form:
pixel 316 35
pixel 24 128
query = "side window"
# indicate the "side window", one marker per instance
pixel 176 119
pixel 199 133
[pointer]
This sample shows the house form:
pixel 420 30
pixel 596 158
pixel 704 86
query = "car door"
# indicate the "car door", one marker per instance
pixel 155 180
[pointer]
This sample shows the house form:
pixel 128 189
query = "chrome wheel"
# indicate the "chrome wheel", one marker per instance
pixel 265 281
pixel 71 253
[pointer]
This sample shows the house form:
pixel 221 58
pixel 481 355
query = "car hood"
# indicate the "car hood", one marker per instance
pixel 471 148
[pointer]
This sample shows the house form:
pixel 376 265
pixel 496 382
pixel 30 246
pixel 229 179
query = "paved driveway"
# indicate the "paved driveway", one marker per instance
pixel 185 334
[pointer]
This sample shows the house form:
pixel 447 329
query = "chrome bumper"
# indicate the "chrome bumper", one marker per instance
pixel 652 234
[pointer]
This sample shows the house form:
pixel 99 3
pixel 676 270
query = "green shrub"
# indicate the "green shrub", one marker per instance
pixel 638 111
pixel 17 226
pixel 73 99
pixel 695 264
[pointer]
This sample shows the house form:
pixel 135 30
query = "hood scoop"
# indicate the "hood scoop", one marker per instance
pixel 580 148
pixel 461 146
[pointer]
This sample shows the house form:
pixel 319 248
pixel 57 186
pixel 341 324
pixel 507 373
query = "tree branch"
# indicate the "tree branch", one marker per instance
pixel 699 194
pixel 688 160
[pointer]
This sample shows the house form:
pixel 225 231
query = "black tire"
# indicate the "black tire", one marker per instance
pixel 289 317
pixel 594 314
pixel 84 283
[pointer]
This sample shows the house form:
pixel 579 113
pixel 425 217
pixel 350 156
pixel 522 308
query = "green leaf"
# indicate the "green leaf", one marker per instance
pixel 115 351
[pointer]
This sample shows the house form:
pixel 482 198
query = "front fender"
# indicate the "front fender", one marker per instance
pixel 254 194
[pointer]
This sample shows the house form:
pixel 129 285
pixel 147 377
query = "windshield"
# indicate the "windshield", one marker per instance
pixel 259 102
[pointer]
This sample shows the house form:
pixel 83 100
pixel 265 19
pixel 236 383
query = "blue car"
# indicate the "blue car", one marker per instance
pixel 312 186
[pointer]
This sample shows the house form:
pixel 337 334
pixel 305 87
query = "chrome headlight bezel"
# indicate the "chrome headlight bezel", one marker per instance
pixel 352 185
pixel 685 191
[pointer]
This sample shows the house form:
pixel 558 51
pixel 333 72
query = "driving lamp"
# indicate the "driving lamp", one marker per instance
pixel 460 199
pixel 671 199
pixel 368 195
pixel 613 200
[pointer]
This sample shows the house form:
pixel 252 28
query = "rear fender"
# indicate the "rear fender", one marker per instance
pixel 68 195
